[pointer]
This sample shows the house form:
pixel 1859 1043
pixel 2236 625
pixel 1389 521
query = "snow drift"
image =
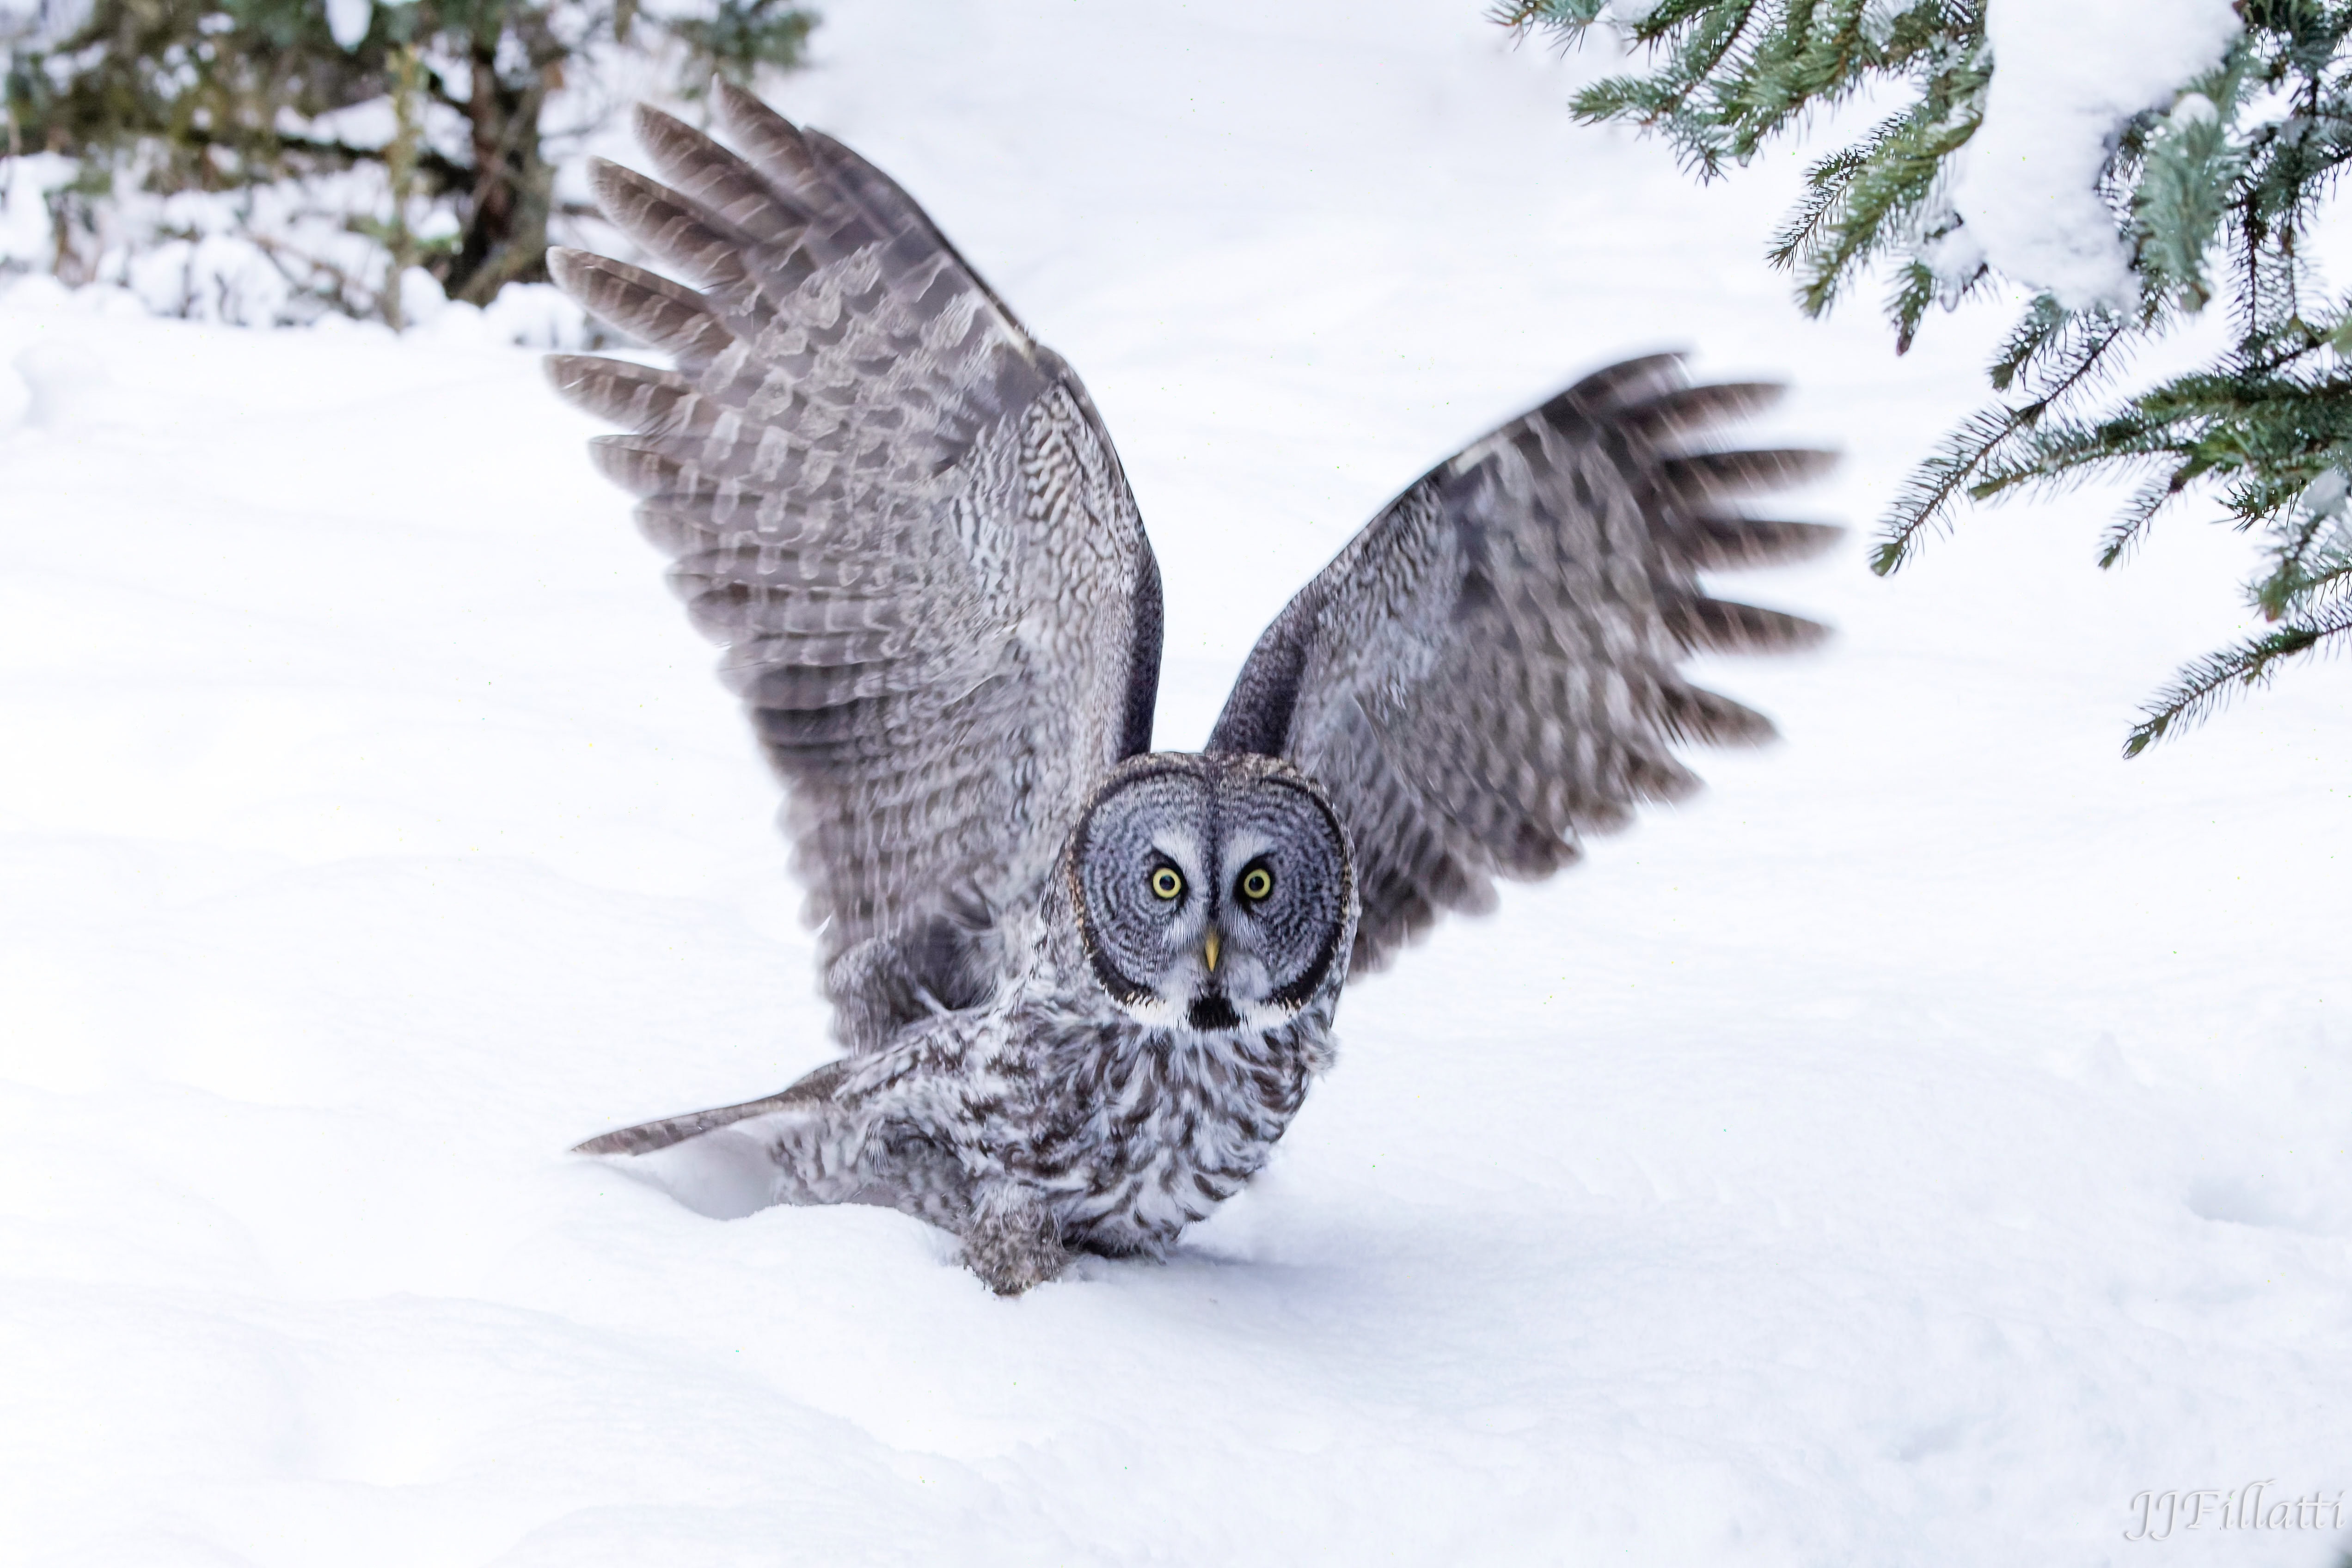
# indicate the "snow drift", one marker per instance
pixel 1921 1144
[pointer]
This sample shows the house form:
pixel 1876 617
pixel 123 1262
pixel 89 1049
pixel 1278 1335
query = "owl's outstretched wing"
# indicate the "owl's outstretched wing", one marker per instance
pixel 1489 670
pixel 902 517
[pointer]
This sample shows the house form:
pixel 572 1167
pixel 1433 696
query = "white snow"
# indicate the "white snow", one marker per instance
pixel 224 275
pixel 1931 1138
pixel 25 185
pixel 2066 74
pixel 27 24
pixel 347 21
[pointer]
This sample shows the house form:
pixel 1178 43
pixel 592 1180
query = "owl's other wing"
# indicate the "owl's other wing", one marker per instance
pixel 902 517
pixel 1488 671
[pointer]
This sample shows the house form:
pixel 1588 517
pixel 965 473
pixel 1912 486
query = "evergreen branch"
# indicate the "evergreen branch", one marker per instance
pixel 2202 687
pixel 2125 533
pixel 2050 445
pixel 1928 495
pixel 214 96
pixel 1960 465
pixel 1523 17
pixel 1915 289
pixel 2308 566
pixel 2043 319
pixel 1824 182
pixel 2179 200
pixel 2219 196
pixel 2063 452
pixel 1895 183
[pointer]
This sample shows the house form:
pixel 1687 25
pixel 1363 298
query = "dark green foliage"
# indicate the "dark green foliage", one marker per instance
pixel 197 95
pixel 1729 75
pixel 2214 197
pixel 738 38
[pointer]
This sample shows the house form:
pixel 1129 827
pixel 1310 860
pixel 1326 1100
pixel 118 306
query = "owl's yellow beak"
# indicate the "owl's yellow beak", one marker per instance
pixel 1209 950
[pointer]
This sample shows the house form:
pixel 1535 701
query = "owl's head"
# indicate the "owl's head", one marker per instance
pixel 1211 892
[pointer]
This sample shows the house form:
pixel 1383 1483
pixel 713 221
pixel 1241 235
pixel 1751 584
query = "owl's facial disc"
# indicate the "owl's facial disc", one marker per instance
pixel 1212 893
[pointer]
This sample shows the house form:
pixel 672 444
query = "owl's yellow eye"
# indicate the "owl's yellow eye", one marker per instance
pixel 1256 883
pixel 1167 882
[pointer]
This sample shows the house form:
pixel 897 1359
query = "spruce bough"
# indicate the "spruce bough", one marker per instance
pixel 2214 197
pixel 230 95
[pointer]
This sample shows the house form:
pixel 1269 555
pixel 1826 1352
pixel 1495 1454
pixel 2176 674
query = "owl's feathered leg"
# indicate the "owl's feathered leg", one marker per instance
pixel 1012 1240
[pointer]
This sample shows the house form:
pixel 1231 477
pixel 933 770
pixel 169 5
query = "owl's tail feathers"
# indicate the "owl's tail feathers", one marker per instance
pixel 802 1146
pixel 647 1136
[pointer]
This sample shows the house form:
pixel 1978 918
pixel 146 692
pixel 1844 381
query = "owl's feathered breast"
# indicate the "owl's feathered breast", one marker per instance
pixel 1143 1130
pixel 1128 1131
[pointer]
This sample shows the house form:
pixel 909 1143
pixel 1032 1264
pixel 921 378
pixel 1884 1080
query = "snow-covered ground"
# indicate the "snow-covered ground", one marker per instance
pixel 1928 1140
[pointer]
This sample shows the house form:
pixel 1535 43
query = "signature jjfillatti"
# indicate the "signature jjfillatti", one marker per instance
pixel 2244 1507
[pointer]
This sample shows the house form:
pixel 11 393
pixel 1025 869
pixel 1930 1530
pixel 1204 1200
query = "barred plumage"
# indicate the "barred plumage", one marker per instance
pixel 1083 986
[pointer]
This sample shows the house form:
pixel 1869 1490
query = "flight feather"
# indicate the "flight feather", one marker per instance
pixel 900 515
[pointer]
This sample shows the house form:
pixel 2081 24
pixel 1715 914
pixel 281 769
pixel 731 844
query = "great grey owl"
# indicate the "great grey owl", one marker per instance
pixel 1083 985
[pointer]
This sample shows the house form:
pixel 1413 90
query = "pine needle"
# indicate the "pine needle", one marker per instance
pixel 2214 202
